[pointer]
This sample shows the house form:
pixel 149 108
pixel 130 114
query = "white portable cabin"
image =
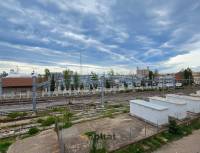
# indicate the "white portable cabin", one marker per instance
pixel 155 114
pixel 197 94
pixel 193 103
pixel 176 109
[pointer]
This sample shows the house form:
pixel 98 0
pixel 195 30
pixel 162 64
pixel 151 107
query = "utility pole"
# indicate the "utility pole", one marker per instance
pixel 1 89
pixel 163 86
pixel 34 92
pixel 80 62
pixel 102 91
pixel 49 84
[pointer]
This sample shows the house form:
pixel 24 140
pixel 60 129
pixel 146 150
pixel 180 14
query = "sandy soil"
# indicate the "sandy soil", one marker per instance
pixel 44 142
pixel 125 128
pixel 189 144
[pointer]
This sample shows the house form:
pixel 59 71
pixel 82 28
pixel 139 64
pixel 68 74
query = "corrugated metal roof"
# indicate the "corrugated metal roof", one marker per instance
pixel 168 101
pixel 148 104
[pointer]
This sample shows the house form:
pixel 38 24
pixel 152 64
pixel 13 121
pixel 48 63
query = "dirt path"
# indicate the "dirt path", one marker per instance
pixel 45 142
pixel 189 144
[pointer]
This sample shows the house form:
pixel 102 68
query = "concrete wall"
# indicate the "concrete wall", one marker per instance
pixel 178 111
pixel 156 117
pixel 193 104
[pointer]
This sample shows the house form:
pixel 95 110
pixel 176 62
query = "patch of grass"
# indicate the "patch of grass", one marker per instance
pixel 59 109
pixel 40 120
pixel 195 124
pixel 48 121
pixel 134 148
pixel 5 143
pixel 15 115
pixel 66 125
pixel 108 114
pixel 33 131
pixel 125 111
pixel 90 133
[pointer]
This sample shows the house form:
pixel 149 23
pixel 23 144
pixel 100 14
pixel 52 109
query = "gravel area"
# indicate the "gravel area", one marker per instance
pixel 44 142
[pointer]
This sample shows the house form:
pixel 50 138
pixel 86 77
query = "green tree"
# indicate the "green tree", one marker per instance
pixel 62 87
pixel 76 81
pixel 107 83
pixel 174 128
pixel 151 75
pixel 81 86
pixel 67 78
pixel 111 72
pixel 52 86
pixel 47 73
pixel 125 84
pixel 187 73
pixel 94 78
pixel 3 74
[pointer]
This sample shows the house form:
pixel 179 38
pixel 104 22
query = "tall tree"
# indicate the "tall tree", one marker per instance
pixel 3 74
pixel 76 81
pixel 111 72
pixel 107 83
pixel 47 73
pixel 67 78
pixel 188 76
pixel 151 75
pixel 94 78
pixel 52 86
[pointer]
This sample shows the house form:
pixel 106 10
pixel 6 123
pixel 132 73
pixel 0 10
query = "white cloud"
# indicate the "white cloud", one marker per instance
pixel 144 40
pixel 153 52
pixel 179 62
pixel 27 68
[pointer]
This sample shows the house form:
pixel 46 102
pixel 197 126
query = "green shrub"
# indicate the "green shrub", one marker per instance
pixel 33 131
pixel 49 121
pixel 174 128
pixel 14 115
pixel 40 120
pixel 186 130
pixel 125 111
pixel 90 133
pixel 4 146
pixel 195 124
pixel 67 125
pixel 155 142
pixel 134 148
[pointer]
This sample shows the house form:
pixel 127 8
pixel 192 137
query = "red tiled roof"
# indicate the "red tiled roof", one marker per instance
pixel 17 82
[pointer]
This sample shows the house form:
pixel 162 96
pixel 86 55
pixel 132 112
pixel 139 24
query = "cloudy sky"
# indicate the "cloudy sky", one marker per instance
pixel 117 34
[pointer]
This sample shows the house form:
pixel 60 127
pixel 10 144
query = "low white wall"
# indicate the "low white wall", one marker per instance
pixel 178 111
pixel 157 117
pixel 193 103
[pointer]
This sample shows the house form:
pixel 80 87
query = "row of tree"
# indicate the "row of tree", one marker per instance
pixel 186 76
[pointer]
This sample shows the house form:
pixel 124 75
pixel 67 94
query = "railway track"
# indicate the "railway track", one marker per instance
pixel 108 97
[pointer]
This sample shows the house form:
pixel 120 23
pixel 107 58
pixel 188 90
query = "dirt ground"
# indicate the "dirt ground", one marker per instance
pixel 189 144
pixel 44 142
pixel 125 128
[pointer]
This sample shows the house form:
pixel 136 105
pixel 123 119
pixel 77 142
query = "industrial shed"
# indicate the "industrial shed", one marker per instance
pixel 176 109
pixel 193 103
pixel 155 114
